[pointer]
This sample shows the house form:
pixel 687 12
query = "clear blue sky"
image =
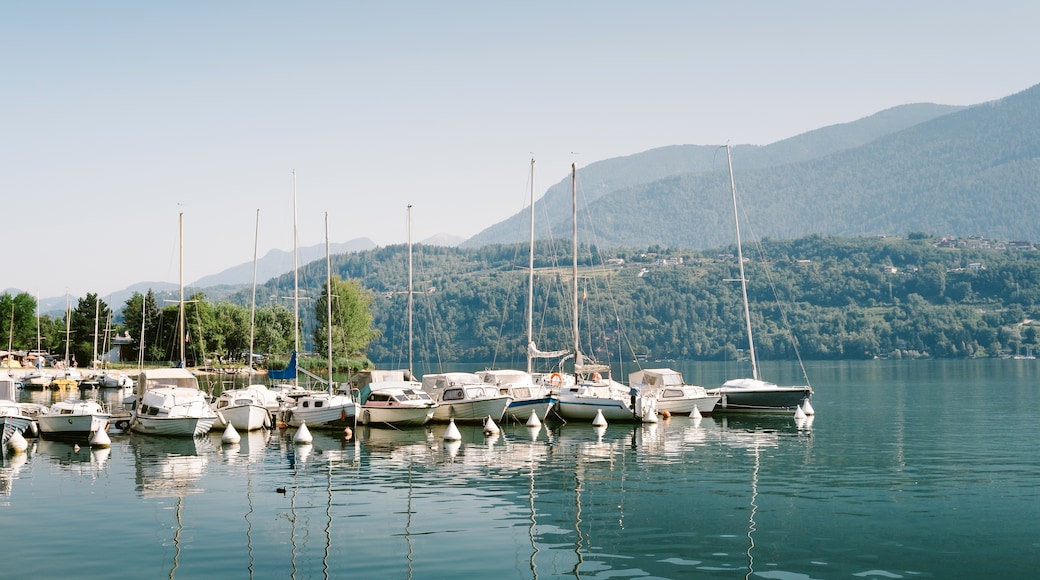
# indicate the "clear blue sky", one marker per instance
pixel 117 116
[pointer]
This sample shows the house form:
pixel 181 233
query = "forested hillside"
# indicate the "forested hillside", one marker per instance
pixel 842 298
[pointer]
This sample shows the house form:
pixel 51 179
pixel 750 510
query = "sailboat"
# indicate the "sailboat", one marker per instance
pixel 323 409
pixel 594 392
pixel 530 396
pixel 168 401
pixel 249 408
pixel 752 394
pixel 389 398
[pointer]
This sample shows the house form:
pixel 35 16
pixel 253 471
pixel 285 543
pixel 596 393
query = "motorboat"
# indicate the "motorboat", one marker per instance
pixel 464 397
pixel 529 397
pixel 672 392
pixel 16 417
pixel 395 403
pixel 169 402
pixel 593 394
pixel 246 409
pixel 74 419
pixel 318 409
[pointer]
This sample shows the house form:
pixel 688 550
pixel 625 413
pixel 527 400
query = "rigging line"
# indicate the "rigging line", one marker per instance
pixel 776 297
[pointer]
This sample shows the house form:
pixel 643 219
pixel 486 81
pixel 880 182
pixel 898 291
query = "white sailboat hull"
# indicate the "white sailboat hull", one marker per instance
pixel 172 426
pixel 329 415
pixel 471 411
pixel 243 417
pixel 54 426
pixel 395 416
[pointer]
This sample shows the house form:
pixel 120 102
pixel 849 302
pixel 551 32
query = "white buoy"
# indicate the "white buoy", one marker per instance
pixel 599 420
pixel 534 431
pixel 17 442
pixel 303 435
pixel 798 413
pixel 490 427
pixel 230 435
pixel 75 448
pixel 100 439
pixel 650 417
pixel 807 408
pixel 452 432
pixel 533 421
pixel 696 413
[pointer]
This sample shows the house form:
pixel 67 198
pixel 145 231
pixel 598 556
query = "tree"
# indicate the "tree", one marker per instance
pixel 352 329
pixel 18 321
pixel 84 328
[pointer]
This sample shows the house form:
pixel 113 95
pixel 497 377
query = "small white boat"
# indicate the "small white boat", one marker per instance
pixel 319 409
pixel 672 393
pixel 246 409
pixel 397 403
pixel 170 403
pixel 592 395
pixel 464 397
pixel 74 419
pixel 16 417
pixel 529 397
pixel 114 380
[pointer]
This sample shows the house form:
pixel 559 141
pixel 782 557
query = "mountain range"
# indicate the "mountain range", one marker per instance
pixel 939 169
pixel 915 168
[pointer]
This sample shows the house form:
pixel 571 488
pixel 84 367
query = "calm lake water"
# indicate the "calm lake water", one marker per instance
pixel 908 470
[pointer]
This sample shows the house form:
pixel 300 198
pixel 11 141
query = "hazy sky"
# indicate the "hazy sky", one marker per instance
pixel 117 116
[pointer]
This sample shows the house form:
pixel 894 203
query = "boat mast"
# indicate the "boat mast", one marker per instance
pixel 296 271
pixel 578 362
pixel 252 307
pixel 97 314
pixel 68 330
pixel 180 311
pixel 412 376
pixel 740 262
pixel 328 298
pixel 530 281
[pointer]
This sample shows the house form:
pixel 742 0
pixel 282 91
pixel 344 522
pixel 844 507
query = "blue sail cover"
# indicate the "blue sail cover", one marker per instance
pixel 286 374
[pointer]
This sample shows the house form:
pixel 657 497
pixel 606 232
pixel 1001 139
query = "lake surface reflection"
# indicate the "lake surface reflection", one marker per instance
pixel 908 470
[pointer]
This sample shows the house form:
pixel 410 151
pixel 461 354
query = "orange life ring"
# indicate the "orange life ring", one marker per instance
pixel 555 379
pixel 596 377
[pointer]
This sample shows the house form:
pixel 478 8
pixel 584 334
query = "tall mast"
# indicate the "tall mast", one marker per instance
pixel 68 329
pixel 328 298
pixel 97 314
pixel 578 362
pixel 296 271
pixel 530 280
pixel 740 262
pixel 252 307
pixel 410 291
pixel 180 310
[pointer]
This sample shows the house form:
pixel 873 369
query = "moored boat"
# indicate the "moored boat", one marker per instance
pixel 74 419
pixel 752 394
pixel 672 392
pixel 395 403
pixel 246 409
pixel 169 402
pixel 464 397
pixel 529 397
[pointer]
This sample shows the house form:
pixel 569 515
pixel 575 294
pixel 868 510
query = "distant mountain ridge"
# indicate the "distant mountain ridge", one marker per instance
pixel 613 176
